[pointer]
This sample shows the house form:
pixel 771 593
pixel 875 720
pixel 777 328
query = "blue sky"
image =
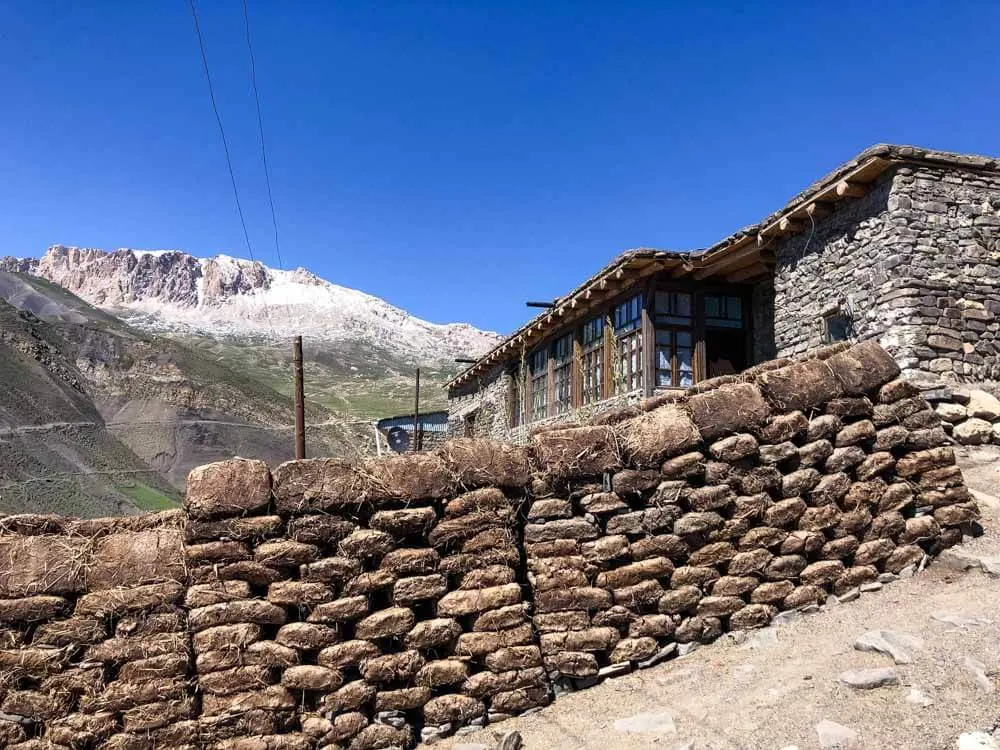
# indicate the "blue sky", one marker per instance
pixel 459 159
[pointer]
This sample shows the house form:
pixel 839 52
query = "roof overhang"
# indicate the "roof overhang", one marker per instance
pixel 743 257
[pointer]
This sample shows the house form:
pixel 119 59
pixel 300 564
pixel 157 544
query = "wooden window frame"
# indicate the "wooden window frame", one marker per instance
pixel 561 366
pixel 609 345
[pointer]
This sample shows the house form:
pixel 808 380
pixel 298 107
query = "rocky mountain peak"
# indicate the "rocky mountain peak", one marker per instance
pixel 168 290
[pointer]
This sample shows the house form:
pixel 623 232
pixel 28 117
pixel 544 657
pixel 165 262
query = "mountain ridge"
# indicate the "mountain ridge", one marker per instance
pixel 169 290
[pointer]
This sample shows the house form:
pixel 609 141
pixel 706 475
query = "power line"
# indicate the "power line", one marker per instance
pixel 218 120
pixel 225 146
pixel 260 130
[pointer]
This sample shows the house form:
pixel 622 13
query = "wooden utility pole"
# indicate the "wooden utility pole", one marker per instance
pixel 416 415
pixel 300 402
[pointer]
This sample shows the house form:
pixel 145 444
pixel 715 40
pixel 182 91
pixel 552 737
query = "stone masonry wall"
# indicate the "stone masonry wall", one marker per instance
pixel 488 398
pixel 916 263
pixel 943 298
pixel 331 605
pixel 843 260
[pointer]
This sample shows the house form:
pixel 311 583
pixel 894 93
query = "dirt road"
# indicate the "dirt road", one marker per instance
pixel 781 689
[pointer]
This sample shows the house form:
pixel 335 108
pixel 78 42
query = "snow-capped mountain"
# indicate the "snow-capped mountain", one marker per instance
pixel 224 296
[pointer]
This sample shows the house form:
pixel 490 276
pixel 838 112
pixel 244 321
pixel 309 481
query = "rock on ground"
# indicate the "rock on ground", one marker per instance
pixel 834 736
pixel 868 679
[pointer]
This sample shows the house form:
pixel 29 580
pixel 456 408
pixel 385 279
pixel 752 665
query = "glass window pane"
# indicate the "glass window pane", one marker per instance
pixel 683 338
pixel 712 306
pixel 684 366
pixel 734 308
pixel 683 305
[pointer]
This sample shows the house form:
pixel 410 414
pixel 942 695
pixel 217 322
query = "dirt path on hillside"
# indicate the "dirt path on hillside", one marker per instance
pixel 771 691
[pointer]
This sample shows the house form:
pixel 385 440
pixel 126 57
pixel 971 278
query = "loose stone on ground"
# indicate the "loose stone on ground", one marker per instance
pixel 899 646
pixel 834 736
pixel 869 679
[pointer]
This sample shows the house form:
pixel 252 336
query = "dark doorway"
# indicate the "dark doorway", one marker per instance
pixel 725 351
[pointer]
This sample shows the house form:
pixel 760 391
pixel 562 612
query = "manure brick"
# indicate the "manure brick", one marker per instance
pixel 363 544
pixel 458 603
pixel 634 649
pixel 728 409
pixel 491 575
pixel 385 623
pixel 392 668
pixel 347 609
pixel 319 529
pixel 734 585
pixel 366 583
pixel 231 613
pixel 761 536
pixel 693 575
pixel 350 697
pixel 298 593
pixel 479 463
pixel 658 434
pixel 347 654
pixel 446 709
pixel 215 552
pixel 238 529
pixel 235 487
pixel 685 466
pixel 578 451
pixel 306 636
pixel 407 562
pixel 408 477
pixel 784 427
pixel 285 554
pixel 850 407
pixel 404 522
pixel 572 664
pixel 500 619
pixel 32 609
pixel 436 633
pixel 712 554
pixel 752 616
pixel 443 672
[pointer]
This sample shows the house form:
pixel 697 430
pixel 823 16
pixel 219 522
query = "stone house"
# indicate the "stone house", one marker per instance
pixel 900 244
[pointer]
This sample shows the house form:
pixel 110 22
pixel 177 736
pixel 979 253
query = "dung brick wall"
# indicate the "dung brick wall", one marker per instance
pixel 372 606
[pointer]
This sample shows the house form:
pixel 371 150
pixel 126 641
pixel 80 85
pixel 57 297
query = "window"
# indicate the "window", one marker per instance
pixel 518 406
pixel 674 357
pixel 837 326
pixel 592 361
pixel 628 330
pixel 538 367
pixel 562 373
pixel 673 315
pixel 672 308
pixel 628 314
pixel 723 311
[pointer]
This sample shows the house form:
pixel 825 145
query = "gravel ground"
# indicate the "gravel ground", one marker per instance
pixel 771 691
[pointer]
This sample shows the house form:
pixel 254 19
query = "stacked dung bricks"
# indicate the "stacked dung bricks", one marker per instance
pixel 359 605
pixel 94 650
pixel 235 552
pixel 494 666
pixel 752 495
pixel 367 606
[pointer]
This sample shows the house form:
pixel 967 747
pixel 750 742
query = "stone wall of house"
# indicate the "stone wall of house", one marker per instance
pixel 944 297
pixel 915 263
pixel 372 605
pixel 487 398
pixel 843 260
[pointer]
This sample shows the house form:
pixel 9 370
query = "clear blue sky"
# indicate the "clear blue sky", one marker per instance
pixel 461 158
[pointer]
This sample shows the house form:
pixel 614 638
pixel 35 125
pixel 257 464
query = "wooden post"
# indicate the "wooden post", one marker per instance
pixel 416 415
pixel 300 402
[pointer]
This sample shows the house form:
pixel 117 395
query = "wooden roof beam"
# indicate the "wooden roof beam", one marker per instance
pixel 847 189
pixel 727 261
pixel 749 272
